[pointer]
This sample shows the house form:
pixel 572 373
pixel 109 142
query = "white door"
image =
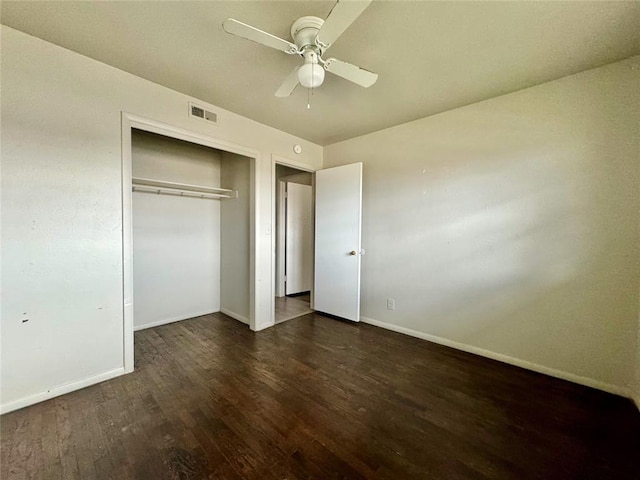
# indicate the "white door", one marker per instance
pixel 299 238
pixel 337 245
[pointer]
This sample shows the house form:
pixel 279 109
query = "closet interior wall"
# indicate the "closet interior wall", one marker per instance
pixel 235 255
pixel 176 240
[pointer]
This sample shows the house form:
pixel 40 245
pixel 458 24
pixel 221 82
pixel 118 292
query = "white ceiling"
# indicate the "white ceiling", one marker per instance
pixel 431 56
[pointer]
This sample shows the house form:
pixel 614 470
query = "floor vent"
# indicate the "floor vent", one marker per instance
pixel 202 113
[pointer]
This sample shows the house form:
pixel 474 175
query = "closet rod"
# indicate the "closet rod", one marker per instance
pixel 180 193
pixel 181 189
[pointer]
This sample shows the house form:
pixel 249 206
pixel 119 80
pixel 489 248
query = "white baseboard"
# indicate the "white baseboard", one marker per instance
pixel 589 382
pixel 234 315
pixel 166 321
pixel 60 390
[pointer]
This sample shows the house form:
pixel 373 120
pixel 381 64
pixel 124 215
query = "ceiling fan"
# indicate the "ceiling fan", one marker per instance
pixel 312 37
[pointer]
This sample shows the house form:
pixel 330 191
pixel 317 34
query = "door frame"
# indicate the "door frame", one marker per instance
pixel 287 162
pixel 280 237
pixel 128 122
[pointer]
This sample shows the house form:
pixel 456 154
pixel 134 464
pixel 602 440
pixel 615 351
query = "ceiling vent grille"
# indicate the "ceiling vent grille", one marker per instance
pixel 202 113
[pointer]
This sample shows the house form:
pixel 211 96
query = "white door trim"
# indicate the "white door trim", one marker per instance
pixel 129 121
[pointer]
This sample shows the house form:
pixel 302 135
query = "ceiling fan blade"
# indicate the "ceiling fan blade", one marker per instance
pixel 354 74
pixel 343 14
pixel 243 30
pixel 289 85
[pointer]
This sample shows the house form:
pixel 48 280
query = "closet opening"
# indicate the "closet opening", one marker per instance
pixel 188 228
pixel 294 242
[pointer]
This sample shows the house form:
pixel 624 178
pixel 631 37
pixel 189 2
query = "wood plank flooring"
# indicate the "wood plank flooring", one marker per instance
pixel 287 308
pixel 319 398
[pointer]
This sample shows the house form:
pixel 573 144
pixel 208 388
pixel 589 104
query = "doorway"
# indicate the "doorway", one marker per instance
pixel 294 242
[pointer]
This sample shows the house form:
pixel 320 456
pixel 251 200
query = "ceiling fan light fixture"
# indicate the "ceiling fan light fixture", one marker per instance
pixel 312 37
pixel 311 75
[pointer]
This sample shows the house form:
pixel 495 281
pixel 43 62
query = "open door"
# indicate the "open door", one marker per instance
pixel 338 241
pixel 299 239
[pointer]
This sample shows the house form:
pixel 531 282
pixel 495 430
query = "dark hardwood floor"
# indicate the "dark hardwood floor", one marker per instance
pixel 319 398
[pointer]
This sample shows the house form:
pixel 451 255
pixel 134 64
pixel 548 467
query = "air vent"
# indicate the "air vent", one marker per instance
pixel 203 114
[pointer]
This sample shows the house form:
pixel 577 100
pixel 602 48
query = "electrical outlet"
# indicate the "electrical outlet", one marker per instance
pixel 391 304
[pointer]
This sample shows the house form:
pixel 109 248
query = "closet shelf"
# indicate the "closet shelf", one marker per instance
pixel 181 189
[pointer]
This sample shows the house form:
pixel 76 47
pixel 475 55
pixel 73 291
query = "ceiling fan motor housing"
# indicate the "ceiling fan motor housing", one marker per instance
pixel 305 30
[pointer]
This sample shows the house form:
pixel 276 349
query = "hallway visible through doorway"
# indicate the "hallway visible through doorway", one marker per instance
pixel 292 306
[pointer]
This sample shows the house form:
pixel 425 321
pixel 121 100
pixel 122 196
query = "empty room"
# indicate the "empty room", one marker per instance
pixel 317 239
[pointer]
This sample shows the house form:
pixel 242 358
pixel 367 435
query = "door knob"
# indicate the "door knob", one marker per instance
pixel 353 253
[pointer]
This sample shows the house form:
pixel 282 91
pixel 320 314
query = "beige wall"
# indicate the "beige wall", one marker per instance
pixel 62 247
pixel 510 227
pixel 635 393
pixel 235 237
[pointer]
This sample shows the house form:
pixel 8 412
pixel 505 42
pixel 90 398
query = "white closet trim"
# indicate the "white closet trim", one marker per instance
pixel 259 246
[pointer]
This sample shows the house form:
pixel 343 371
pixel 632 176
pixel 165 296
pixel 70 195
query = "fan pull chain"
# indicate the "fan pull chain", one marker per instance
pixel 310 90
